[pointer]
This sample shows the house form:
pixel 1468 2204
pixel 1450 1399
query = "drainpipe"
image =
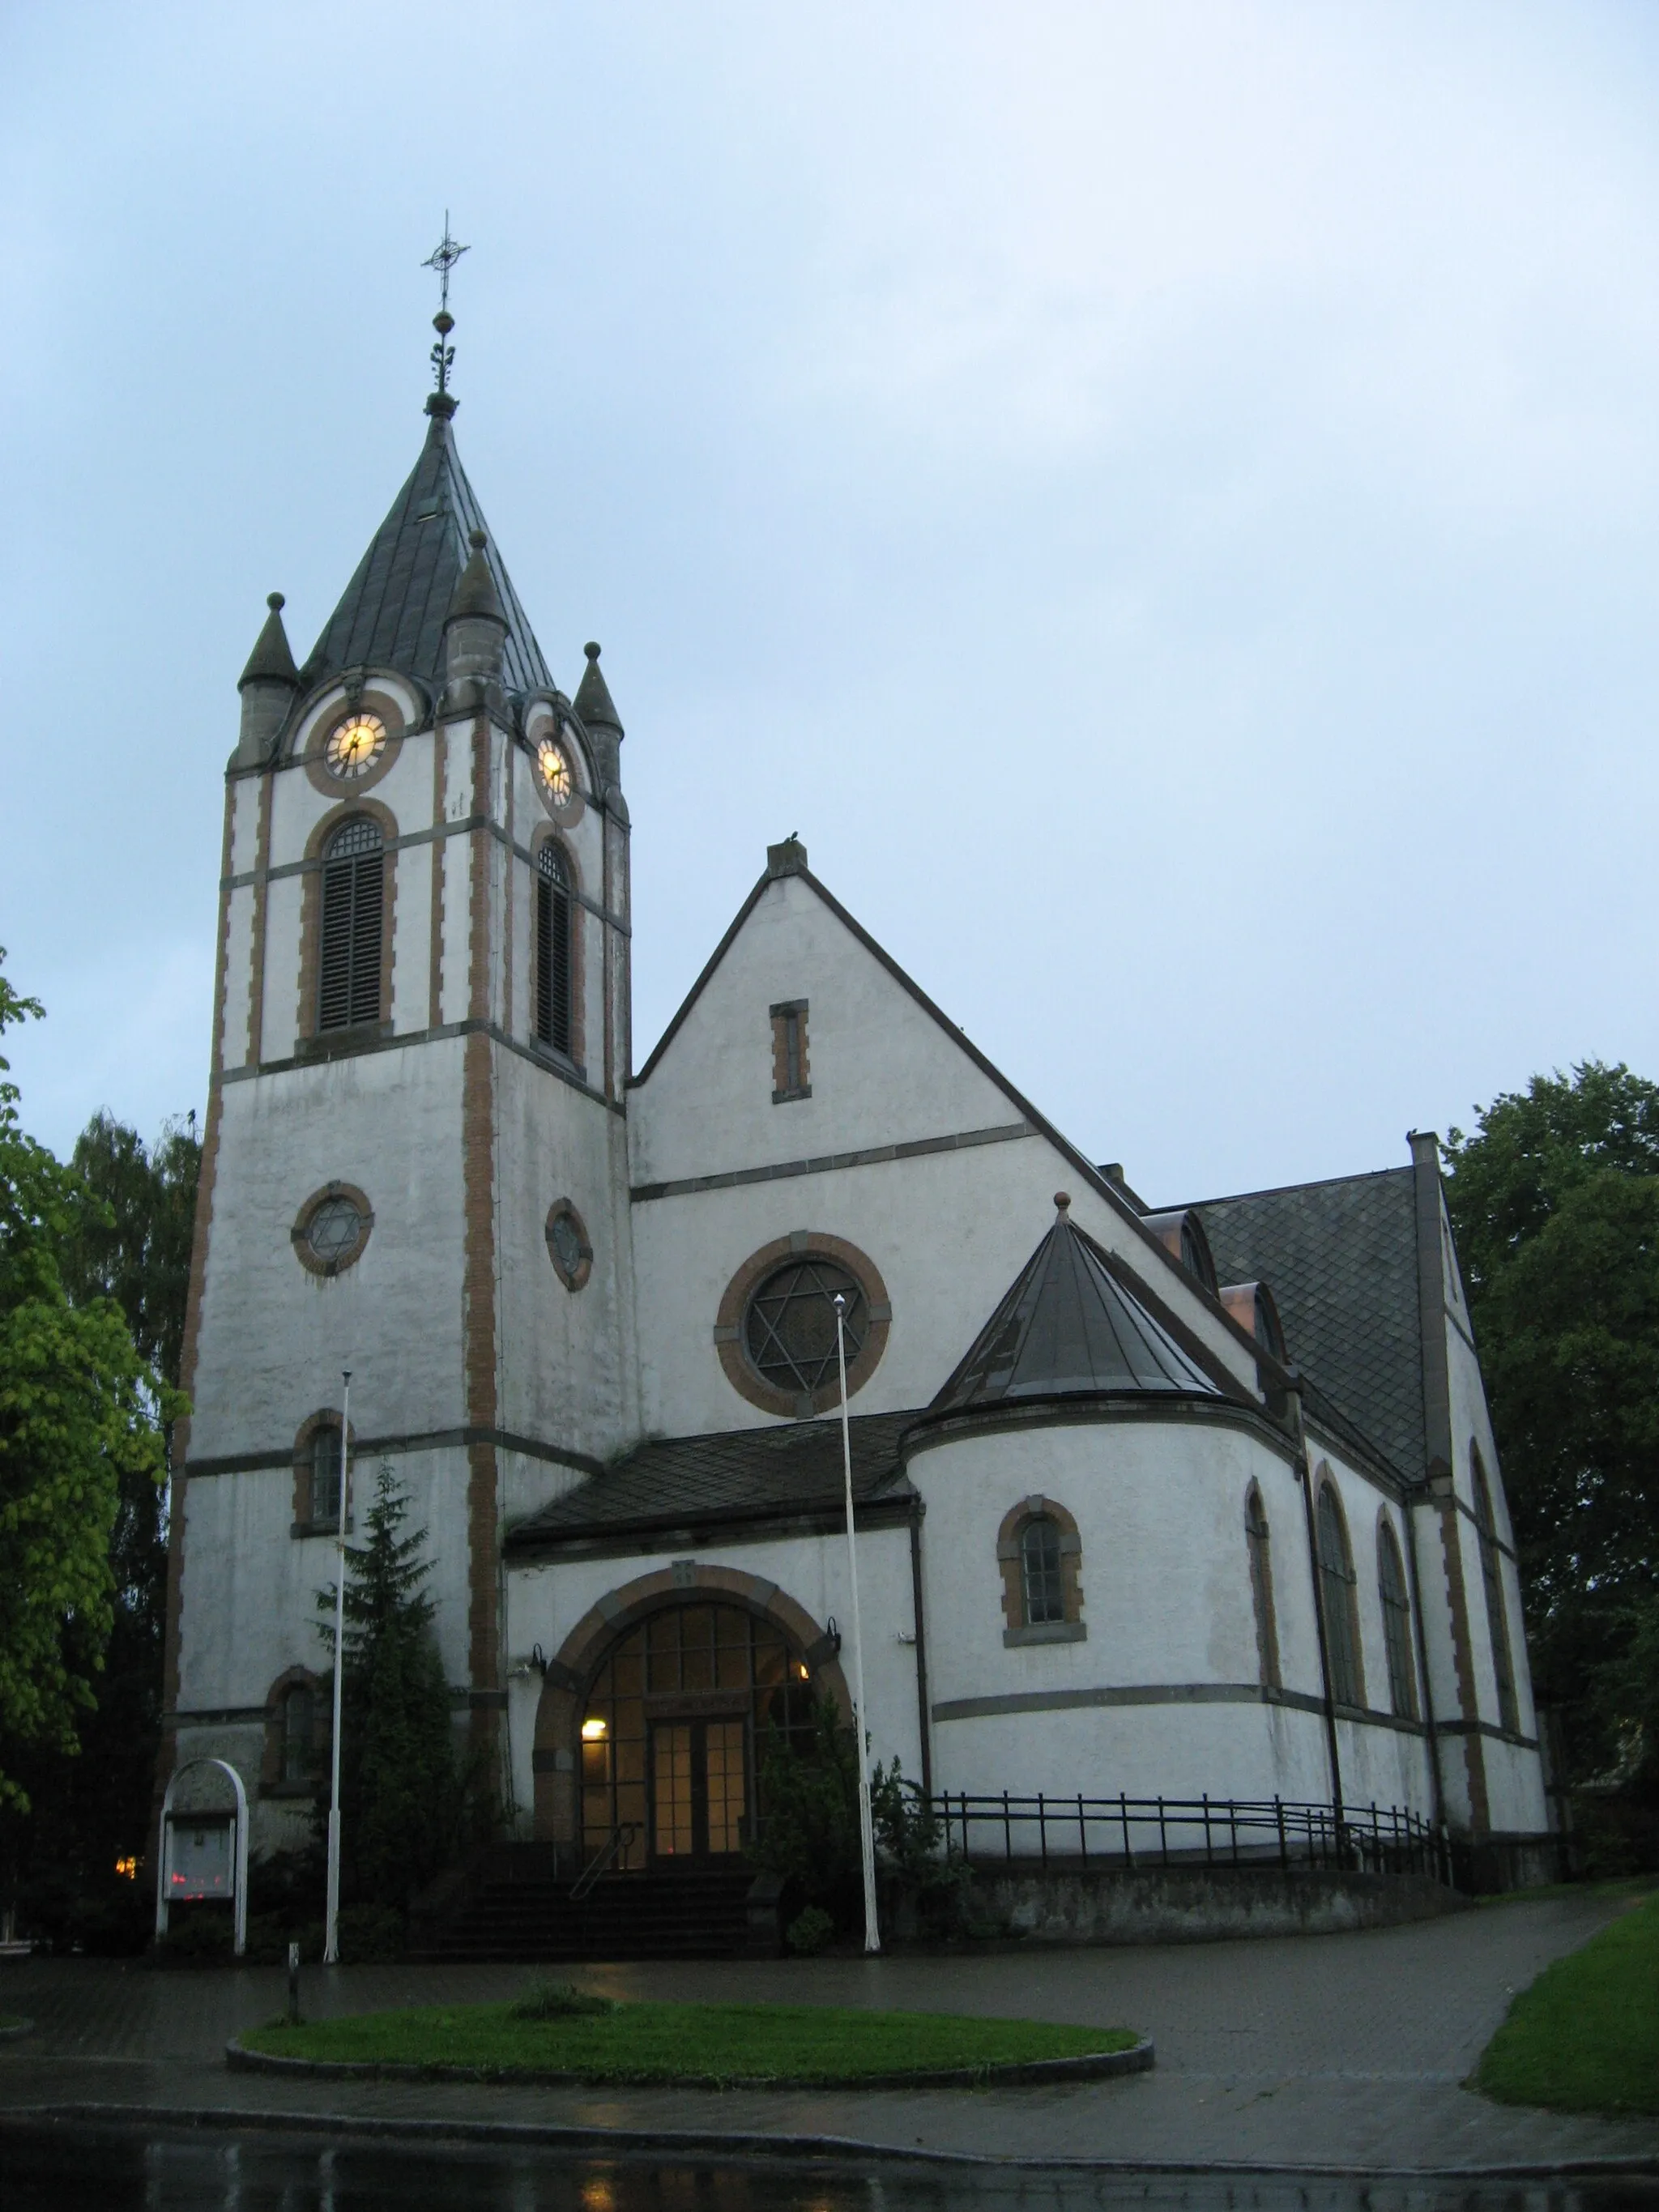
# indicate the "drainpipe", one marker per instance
pixel 916 1512
pixel 1305 1475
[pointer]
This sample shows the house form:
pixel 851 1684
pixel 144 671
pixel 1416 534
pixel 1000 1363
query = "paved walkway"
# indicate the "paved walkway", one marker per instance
pixel 1338 2052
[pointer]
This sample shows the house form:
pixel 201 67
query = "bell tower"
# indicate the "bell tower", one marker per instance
pixel 415 1164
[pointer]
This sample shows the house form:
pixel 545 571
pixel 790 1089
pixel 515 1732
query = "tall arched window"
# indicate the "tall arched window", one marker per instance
pixel 326 1477
pixel 354 902
pixel 299 1730
pixel 1336 1594
pixel 1041 1589
pixel 554 936
pixel 1396 1626
pixel 1261 1588
pixel 1491 1574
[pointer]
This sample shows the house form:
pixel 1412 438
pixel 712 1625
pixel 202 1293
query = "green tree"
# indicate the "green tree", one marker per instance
pixel 80 1417
pixel 808 1831
pixel 92 1811
pixel 1554 1198
pixel 401 1794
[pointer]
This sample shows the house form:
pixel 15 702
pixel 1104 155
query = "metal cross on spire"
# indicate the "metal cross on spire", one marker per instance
pixel 443 258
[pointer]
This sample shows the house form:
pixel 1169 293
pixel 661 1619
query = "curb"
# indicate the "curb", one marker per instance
pixel 10 2030
pixel 329 2127
pixel 1093 2066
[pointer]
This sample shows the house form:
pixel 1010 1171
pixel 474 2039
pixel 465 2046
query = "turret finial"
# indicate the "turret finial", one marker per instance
pixel 443 258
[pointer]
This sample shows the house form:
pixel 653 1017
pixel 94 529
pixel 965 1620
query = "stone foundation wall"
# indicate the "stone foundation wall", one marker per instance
pixel 1193 1906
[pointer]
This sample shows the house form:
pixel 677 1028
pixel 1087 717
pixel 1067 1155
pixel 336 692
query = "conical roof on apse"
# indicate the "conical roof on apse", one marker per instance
pixel 1067 1325
pixel 392 613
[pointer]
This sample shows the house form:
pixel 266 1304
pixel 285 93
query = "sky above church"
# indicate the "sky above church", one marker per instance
pixel 1164 500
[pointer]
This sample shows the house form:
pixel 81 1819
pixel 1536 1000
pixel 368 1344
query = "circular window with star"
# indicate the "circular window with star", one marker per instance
pixel 331 1228
pixel 775 1334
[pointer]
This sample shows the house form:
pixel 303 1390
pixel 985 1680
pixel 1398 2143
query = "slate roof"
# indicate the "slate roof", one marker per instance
pixel 1341 1259
pixel 741 1474
pixel 1066 1324
pixel 392 613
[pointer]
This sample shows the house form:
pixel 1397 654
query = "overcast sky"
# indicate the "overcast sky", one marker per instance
pixel 1162 498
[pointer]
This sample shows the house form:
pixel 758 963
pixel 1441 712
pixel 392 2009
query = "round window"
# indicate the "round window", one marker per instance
pixel 789 1329
pixel 332 1229
pixel 355 745
pixel 568 1244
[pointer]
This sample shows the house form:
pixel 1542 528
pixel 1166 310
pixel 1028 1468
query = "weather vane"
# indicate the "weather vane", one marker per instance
pixel 443 259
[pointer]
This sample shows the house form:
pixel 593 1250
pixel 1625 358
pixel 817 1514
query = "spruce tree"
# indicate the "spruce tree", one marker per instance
pixel 400 1791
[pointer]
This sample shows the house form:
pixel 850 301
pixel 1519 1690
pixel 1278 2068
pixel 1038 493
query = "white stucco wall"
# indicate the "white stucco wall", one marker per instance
pixel 1168 1609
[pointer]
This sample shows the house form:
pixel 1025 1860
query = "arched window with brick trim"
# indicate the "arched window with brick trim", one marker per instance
pixel 354 910
pixel 1040 1554
pixel 1396 1625
pixel 1336 1592
pixel 1491 1574
pixel 1259 1544
pixel 555 950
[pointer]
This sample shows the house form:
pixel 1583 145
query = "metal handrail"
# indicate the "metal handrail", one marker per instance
pixel 1133 1831
pixel 618 1840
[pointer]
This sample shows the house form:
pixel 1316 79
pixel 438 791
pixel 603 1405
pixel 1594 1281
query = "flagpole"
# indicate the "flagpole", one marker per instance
pixel 332 1933
pixel 866 1819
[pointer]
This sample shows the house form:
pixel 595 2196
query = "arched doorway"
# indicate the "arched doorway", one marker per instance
pixel 673 1719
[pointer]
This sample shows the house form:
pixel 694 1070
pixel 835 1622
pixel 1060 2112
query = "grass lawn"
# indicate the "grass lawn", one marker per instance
pixel 1585 2037
pixel 644 2042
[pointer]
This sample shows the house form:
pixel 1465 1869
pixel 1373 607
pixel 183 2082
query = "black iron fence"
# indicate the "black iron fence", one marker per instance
pixel 1139 1832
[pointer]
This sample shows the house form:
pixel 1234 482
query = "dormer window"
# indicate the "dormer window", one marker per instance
pixel 1182 1234
pixel 1252 1306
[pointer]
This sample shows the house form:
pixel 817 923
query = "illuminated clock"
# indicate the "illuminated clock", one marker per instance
pixel 553 766
pixel 355 745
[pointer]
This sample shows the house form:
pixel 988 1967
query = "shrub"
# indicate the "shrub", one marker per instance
pixel 809 1932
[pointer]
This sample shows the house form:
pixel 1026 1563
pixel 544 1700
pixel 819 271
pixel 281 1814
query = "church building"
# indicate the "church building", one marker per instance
pixel 1175 1500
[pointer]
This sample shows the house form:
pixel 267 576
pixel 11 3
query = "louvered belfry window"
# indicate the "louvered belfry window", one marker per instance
pixel 354 900
pixel 553 936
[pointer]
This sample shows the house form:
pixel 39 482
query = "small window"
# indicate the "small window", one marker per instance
pixel 554 935
pixel 326 1478
pixel 1336 1590
pixel 354 899
pixel 1397 1626
pixel 1044 1597
pixel 1491 1574
pixel 299 1733
pixel 789 1065
pixel 1257 1539
pixel 568 1244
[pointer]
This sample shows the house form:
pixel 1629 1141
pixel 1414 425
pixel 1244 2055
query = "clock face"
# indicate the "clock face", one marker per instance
pixel 355 745
pixel 553 766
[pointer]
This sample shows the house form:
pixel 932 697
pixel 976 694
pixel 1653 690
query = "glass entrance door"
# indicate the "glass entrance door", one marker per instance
pixel 699 1790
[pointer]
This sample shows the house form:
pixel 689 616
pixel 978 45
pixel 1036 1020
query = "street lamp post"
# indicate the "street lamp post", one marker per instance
pixel 866 1820
pixel 332 1935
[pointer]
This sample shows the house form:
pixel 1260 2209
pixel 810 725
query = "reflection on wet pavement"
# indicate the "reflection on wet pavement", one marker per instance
pixel 72 2168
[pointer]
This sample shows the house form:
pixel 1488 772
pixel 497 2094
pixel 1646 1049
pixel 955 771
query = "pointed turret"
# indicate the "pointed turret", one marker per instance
pixel 475 632
pixel 1067 1325
pixel 593 701
pixel 603 723
pixel 267 684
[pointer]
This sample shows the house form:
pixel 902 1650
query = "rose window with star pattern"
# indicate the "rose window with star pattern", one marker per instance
pixel 789 1330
